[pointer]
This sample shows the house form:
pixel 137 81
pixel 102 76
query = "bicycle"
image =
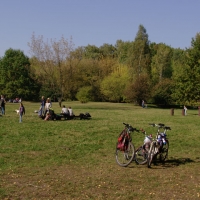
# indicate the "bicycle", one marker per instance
pixel 141 152
pixel 159 146
pixel 125 150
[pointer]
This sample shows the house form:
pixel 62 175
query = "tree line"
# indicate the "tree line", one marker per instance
pixel 129 71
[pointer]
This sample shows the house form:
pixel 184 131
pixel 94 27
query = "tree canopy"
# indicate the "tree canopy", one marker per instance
pixel 129 71
pixel 16 80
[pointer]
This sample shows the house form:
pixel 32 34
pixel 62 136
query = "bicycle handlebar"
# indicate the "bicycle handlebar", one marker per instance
pixel 160 125
pixel 130 127
pixel 142 130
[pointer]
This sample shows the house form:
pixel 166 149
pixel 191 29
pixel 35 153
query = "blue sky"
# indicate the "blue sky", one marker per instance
pixel 95 22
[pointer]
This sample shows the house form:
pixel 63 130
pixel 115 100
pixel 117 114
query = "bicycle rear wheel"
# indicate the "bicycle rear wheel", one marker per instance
pixel 150 154
pixel 141 155
pixel 124 158
pixel 164 152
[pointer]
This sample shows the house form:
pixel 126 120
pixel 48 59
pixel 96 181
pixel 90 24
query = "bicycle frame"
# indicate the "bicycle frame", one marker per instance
pixel 156 147
pixel 142 151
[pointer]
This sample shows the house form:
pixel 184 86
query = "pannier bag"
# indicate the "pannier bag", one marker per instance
pixel 122 142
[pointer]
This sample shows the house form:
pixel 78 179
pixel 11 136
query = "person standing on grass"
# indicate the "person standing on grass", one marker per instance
pixel 21 112
pixel 2 104
pixel 60 101
pixel 48 105
pixel 185 110
pixel 143 104
pixel 43 101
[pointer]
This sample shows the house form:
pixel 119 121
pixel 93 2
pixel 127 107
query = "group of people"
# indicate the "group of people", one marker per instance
pixel 46 110
pixel 3 110
pixel 67 112
pixel 45 106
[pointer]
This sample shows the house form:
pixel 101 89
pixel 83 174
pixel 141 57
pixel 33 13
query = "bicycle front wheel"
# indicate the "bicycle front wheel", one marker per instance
pixel 150 154
pixel 125 157
pixel 141 155
pixel 164 151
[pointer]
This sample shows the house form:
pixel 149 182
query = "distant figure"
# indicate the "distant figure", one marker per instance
pixel 185 110
pixel 70 111
pixel 40 114
pixel 60 101
pixel 43 102
pixel 64 110
pixel 48 105
pixel 48 116
pixel 2 105
pixel 21 112
pixel 143 104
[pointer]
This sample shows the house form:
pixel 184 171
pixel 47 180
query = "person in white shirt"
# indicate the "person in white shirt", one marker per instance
pixel 70 111
pixel 64 110
pixel 47 105
pixel 185 110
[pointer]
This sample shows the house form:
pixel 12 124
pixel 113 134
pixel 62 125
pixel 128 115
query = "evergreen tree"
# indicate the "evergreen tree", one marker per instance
pixel 139 53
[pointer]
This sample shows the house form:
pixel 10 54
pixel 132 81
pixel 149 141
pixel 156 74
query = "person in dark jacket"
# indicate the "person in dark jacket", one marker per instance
pixel 43 102
pixel 21 112
pixel 2 104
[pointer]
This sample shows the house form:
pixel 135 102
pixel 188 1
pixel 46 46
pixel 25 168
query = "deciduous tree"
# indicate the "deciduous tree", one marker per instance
pixel 161 63
pixel 52 58
pixel 113 86
pixel 16 80
pixel 139 89
pixel 187 88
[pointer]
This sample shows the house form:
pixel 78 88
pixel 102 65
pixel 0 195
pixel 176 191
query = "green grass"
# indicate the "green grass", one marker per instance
pixel 75 159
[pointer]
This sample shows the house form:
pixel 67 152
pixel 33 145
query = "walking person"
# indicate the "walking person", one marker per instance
pixel 21 112
pixel 2 105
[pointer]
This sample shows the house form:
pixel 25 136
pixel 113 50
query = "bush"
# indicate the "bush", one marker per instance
pixel 83 94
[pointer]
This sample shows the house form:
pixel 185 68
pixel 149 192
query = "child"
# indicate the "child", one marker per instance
pixel 48 115
pixel 21 112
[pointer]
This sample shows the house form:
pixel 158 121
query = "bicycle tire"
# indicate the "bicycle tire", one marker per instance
pixel 141 156
pixel 150 154
pixel 124 158
pixel 164 152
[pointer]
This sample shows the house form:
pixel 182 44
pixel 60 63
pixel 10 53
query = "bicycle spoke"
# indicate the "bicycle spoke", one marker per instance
pixel 124 158
pixel 141 156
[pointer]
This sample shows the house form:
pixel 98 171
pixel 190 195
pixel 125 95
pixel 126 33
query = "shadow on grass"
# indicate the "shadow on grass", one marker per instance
pixel 176 162
pixel 173 162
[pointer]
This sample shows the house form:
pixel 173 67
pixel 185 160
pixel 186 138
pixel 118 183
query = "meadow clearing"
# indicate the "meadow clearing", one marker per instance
pixel 75 159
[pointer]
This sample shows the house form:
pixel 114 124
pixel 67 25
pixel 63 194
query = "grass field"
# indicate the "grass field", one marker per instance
pixel 75 159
